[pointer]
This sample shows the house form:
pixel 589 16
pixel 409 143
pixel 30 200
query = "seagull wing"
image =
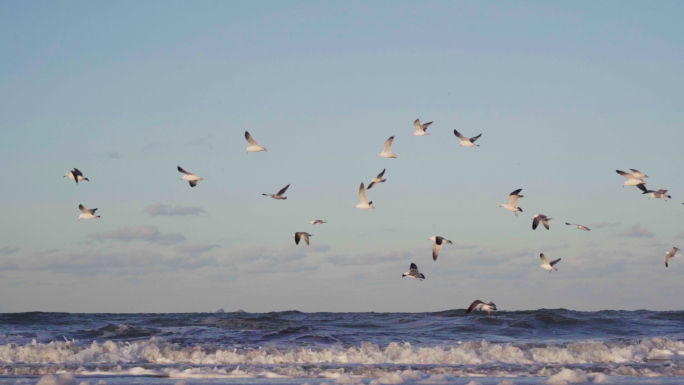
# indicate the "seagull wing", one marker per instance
pixel 426 125
pixel 435 251
pixel 82 208
pixel 413 267
pixel 76 172
pixel 642 187
pixel 459 135
pixel 554 262
pixel 282 191
pixel 474 138
pixel 545 221
pixel 183 171
pixel 535 222
pixel 625 174
pixel 362 194
pixel 298 236
pixel 306 238
pixel 473 306
pixel 193 183
pixel 637 173
pixel 371 184
pixel 250 139
pixel 388 144
pixel 383 173
pixel 543 258
pixel 513 197
pixel 417 125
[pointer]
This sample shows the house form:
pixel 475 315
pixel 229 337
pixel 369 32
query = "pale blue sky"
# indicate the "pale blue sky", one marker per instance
pixel 563 93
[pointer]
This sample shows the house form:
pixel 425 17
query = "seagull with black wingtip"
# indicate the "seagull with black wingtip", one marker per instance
pixel 365 204
pixel 387 149
pixel 671 254
pixel 253 145
pixel 190 177
pixel 540 218
pixel 632 179
pixel 377 179
pixel 512 204
pixel 481 306
pixel 437 245
pixel 546 265
pixel 87 214
pixel 579 227
pixel 279 195
pixel 467 142
pixel 413 272
pixel 659 194
pixel 302 235
pixel 420 128
pixel 75 175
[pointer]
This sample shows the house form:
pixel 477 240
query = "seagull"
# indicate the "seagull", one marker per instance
pixel 580 227
pixel 481 306
pixel 364 200
pixel 546 265
pixel 302 234
pixel 387 150
pixel 671 254
pixel 540 217
pixel 377 179
pixel 190 177
pixel 465 142
pixel 660 194
pixel 75 175
pixel 87 214
pixel 318 222
pixel 437 245
pixel 512 204
pixel 253 145
pixel 420 128
pixel 279 195
pixel 413 272
pixel 632 179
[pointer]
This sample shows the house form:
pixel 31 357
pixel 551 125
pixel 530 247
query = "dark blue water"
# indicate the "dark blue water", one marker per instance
pixel 442 347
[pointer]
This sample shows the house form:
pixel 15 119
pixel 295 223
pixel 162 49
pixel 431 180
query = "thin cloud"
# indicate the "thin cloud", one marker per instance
pixel 600 225
pixel 634 231
pixel 144 233
pixel 196 248
pixel 8 250
pixel 159 209
pixel 114 155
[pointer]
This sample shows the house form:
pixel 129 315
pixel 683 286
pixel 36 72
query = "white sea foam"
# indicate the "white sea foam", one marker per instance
pixel 568 376
pixel 58 379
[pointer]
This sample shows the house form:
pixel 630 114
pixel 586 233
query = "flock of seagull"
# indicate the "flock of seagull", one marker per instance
pixel 633 179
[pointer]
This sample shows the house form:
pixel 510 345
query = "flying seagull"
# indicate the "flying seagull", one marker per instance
pixel 580 227
pixel 387 150
pixel 437 245
pixel 87 214
pixel 467 142
pixel 481 306
pixel 75 175
pixel 302 234
pixel 190 177
pixel 632 179
pixel 279 195
pixel 364 200
pixel 512 204
pixel 318 222
pixel 420 128
pixel 660 194
pixel 540 218
pixel 413 272
pixel 671 254
pixel 546 265
pixel 377 179
pixel 253 145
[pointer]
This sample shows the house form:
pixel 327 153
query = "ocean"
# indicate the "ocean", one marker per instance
pixel 511 347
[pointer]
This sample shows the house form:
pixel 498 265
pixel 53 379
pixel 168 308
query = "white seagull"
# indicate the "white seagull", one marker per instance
pixel 75 175
pixel 253 145
pixel 671 254
pixel 190 177
pixel 437 245
pixel 580 227
pixel 365 204
pixel 632 179
pixel 546 265
pixel 512 204
pixel 279 195
pixel 660 194
pixel 87 214
pixel 481 306
pixel 377 179
pixel 318 222
pixel 540 218
pixel 387 150
pixel 302 234
pixel 413 272
pixel 467 142
pixel 420 128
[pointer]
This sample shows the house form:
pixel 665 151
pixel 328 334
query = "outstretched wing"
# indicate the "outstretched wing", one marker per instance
pixel 193 183
pixel 642 187
pixel 388 144
pixel 435 251
pixel 362 194
pixel 383 173
pixel 626 175
pixel 543 258
pixel 413 266
pixel 535 222
pixel 545 221
pixel 76 172
pixel 298 236
pixel 183 171
pixel 282 191
pixel 513 197
pixel 250 139
pixel 474 138
pixel 473 306
pixel 554 262
pixel 82 208
pixel 459 135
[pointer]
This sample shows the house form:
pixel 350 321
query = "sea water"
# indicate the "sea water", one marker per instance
pixel 522 347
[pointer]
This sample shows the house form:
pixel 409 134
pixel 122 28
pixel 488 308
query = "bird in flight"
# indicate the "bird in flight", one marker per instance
pixel 671 254
pixel 467 142
pixel 420 128
pixel 377 179
pixel 365 204
pixel 302 235
pixel 546 265
pixel 437 245
pixel 413 272
pixel 87 214
pixel 481 306
pixel 253 145
pixel 279 195
pixel 387 150
pixel 512 204
pixel 75 175
pixel 540 218
pixel 190 177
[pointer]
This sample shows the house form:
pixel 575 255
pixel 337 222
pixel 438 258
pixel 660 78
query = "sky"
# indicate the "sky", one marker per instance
pixel 564 93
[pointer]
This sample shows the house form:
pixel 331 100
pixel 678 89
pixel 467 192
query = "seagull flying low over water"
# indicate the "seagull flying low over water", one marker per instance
pixel 512 204
pixel 377 179
pixel 253 145
pixel 365 204
pixel 75 175
pixel 318 222
pixel 540 218
pixel 580 227
pixel 481 306
pixel 546 265
pixel 413 272
pixel 279 195
pixel 87 214
pixel 302 234
pixel 671 254
pixel 387 150
pixel 420 128
pixel 190 177
pixel 437 245
pixel 632 179
pixel 660 194
pixel 467 142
